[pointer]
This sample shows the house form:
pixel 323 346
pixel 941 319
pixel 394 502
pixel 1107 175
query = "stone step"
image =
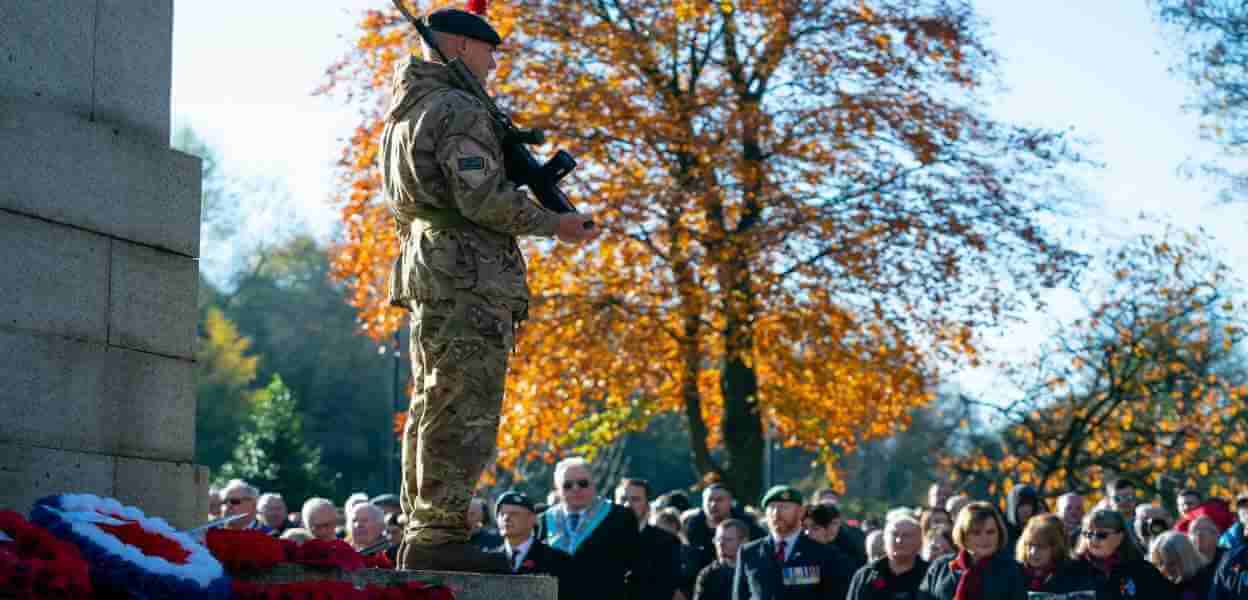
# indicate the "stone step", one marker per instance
pixel 467 586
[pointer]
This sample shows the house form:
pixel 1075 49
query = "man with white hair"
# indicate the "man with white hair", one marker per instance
pixel 320 518
pixel 239 498
pixel 273 512
pixel 365 525
pixel 603 538
pixel 900 572
pixel 352 500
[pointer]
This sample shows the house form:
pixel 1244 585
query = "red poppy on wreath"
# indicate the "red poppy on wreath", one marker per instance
pixel 34 563
pixel 246 549
pixel 331 553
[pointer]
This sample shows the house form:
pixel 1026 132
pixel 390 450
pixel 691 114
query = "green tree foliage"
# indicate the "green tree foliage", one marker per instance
pixel 272 453
pixel 225 370
pixel 303 330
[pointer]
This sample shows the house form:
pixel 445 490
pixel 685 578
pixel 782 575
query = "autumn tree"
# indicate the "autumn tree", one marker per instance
pixel 1212 38
pixel 1147 385
pixel 225 368
pixel 804 205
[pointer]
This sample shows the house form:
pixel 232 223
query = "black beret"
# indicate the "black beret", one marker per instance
pixel 514 498
pixel 451 20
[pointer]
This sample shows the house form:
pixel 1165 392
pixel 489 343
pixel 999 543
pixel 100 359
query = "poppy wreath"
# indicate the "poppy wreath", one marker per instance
pixel 249 550
pixel 36 564
pixel 130 552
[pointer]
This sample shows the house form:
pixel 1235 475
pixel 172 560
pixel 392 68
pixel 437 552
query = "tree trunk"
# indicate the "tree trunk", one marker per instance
pixel 742 427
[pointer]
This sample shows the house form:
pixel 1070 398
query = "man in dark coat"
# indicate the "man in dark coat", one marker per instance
pixel 823 524
pixel 788 565
pixel 527 555
pixel 657 575
pixel 482 535
pixel 603 538
pixel 715 581
pixel 717 507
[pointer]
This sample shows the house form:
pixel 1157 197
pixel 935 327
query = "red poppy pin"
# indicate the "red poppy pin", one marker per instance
pixel 529 564
pixel 878 584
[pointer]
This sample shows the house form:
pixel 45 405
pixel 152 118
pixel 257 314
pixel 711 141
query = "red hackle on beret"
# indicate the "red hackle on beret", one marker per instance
pixel 477 7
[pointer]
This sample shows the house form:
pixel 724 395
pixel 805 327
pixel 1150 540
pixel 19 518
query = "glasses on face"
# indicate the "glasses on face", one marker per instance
pixel 581 483
pixel 233 501
pixel 1127 498
pixel 1098 535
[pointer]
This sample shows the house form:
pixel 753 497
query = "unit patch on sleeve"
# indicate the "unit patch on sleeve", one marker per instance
pixel 471 163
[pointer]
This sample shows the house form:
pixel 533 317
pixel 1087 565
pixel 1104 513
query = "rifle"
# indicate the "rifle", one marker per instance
pixel 519 163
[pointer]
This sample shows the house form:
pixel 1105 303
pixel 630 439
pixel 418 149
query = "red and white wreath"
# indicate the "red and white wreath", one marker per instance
pixel 127 550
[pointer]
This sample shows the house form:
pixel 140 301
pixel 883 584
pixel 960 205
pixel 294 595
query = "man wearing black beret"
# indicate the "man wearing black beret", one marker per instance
pixel 526 554
pixel 461 273
pixel 788 565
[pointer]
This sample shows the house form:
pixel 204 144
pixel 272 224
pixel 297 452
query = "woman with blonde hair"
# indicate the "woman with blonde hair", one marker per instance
pixel 1176 557
pixel 1045 557
pixel 982 568
pixel 1107 553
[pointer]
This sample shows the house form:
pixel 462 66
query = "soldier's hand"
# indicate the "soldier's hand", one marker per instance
pixel 576 227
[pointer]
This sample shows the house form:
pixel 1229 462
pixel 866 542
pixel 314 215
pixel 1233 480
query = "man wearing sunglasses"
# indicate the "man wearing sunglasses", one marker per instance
pixel 239 498
pixel 603 538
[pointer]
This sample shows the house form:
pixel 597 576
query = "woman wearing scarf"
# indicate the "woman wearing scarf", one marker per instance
pixel 1107 553
pixel 982 568
pixel 1045 556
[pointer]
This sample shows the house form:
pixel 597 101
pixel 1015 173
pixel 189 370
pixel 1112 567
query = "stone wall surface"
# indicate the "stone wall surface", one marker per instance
pixel 99 234
pixel 467 586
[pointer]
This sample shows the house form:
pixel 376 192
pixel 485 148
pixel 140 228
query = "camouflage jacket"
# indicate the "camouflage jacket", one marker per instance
pixel 439 151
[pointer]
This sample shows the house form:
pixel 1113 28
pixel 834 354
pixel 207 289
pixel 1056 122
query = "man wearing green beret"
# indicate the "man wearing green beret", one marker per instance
pixel 462 275
pixel 788 565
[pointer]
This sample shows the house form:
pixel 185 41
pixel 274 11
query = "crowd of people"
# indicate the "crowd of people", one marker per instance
pixel 629 543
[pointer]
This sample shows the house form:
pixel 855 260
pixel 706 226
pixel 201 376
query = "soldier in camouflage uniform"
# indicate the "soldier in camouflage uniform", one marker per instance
pixel 462 275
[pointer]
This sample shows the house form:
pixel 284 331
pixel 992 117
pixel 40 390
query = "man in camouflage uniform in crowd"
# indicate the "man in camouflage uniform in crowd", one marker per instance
pixel 462 275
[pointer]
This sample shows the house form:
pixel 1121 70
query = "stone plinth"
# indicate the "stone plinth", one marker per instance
pixel 99 234
pixel 467 586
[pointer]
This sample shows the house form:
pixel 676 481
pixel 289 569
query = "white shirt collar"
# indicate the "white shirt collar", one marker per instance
pixel 518 553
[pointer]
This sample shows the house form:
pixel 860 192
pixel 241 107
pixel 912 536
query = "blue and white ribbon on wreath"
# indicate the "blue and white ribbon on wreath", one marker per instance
pixel 119 565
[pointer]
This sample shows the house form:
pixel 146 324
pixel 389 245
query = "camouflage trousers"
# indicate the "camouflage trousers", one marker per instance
pixel 459 352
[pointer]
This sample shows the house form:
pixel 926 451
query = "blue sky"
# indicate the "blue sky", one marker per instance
pixel 243 73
